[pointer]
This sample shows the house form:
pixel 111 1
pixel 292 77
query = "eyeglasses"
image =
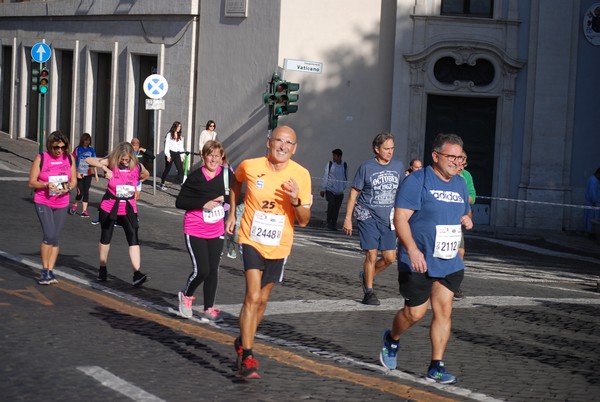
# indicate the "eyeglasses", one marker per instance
pixel 57 147
pixel 453 158
pixel 281 141
pixel 212 125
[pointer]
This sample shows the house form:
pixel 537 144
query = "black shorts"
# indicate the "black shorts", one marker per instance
pixel 416 287
pixel 272 270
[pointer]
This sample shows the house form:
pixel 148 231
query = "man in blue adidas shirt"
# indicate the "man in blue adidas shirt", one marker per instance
pixel 333 186
pixel 432 207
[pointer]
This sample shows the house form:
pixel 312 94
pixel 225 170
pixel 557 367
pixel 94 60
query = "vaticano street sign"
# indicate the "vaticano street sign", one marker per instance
pixel 312 67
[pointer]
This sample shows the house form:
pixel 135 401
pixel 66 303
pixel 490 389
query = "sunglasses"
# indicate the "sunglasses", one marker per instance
pixel 57 147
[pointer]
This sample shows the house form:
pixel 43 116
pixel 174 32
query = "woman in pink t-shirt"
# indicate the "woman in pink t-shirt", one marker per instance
pixel 118 205
pixel 52 176
pixel 203 197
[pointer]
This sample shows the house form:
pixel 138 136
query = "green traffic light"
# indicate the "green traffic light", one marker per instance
pixel 35 76
pixel 292 86
pixel 44 81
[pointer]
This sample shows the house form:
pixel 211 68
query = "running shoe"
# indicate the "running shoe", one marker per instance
pixel 44 278
pixel 388 353
pixel 85 214
pixel 249 369
pixel 211 314
pixel 102 274
pixel 239 351
pixel 439 374
pixel 371 299
pixel 95 222
pixel 139 278
pixel 72 210
pixel 361 276
pixel 185 305
pixel 51 277
pixel 162 187
pixel 459 295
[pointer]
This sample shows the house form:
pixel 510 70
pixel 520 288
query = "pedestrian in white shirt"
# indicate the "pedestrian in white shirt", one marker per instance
pixel 174 153
pixel 208 134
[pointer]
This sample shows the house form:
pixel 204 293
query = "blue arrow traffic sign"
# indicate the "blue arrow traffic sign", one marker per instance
pixel 41 52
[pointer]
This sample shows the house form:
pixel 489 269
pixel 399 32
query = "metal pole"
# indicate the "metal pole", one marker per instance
pixel 41 112
pixel 41 135
pixel 155 151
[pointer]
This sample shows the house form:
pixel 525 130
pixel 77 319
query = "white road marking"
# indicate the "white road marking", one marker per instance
pixel 394 304
pixel 14 178
pixel 115 383
pixel 538 250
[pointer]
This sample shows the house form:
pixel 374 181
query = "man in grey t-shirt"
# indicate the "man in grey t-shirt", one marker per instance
pixel 371 201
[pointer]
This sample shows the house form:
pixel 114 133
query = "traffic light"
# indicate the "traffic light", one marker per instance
pixel 291 87
pixel 280 95
pixel 284 97
pixel 35 79
pixel 44 81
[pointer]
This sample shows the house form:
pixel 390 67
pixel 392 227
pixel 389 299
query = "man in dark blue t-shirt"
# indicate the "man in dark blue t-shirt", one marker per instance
pixel 432 207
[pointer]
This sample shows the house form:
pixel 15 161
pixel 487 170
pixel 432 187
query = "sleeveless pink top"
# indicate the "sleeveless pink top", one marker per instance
pixel 122 185
pixel 58 171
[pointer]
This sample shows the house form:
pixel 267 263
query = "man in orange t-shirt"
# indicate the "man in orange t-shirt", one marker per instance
pixel 278 194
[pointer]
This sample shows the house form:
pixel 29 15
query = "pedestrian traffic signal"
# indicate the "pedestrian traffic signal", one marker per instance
pixel 35 79
pixel 44 81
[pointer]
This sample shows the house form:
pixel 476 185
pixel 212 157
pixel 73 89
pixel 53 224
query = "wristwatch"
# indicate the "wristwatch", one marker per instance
pixel 298 204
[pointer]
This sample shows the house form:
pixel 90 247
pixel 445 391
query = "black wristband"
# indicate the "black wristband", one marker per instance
pixel 298 204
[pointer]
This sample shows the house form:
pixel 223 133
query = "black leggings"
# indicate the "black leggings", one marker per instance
pixel 175 158
pixel 108 226
pixel 206 256
pixel 83 188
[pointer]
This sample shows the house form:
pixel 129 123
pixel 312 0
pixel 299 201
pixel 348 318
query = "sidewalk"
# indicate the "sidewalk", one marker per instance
pixel 17 156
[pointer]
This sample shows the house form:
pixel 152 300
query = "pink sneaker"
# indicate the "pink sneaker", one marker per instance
pixel 185 305
pixel 211 315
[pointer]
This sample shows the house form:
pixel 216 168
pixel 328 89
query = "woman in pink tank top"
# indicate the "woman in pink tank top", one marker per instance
pixel 123 171
pixel 52 176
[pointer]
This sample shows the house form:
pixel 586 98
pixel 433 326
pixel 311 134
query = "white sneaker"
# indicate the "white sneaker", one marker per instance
pixel 185 305
pixel 211 315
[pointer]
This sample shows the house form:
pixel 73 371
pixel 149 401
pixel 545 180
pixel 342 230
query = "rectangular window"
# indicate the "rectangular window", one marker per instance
pixel 468 8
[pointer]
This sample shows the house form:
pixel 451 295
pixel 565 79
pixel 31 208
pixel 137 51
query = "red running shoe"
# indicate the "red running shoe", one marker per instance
pixel 239 350
pixel 249 369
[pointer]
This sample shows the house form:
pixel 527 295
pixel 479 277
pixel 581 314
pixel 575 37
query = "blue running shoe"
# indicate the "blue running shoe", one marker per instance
pixel 388 353
pixel 51 277
pixel 44 277
pixel 439 374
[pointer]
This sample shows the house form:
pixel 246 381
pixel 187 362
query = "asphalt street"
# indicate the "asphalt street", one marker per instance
pixel 528 328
